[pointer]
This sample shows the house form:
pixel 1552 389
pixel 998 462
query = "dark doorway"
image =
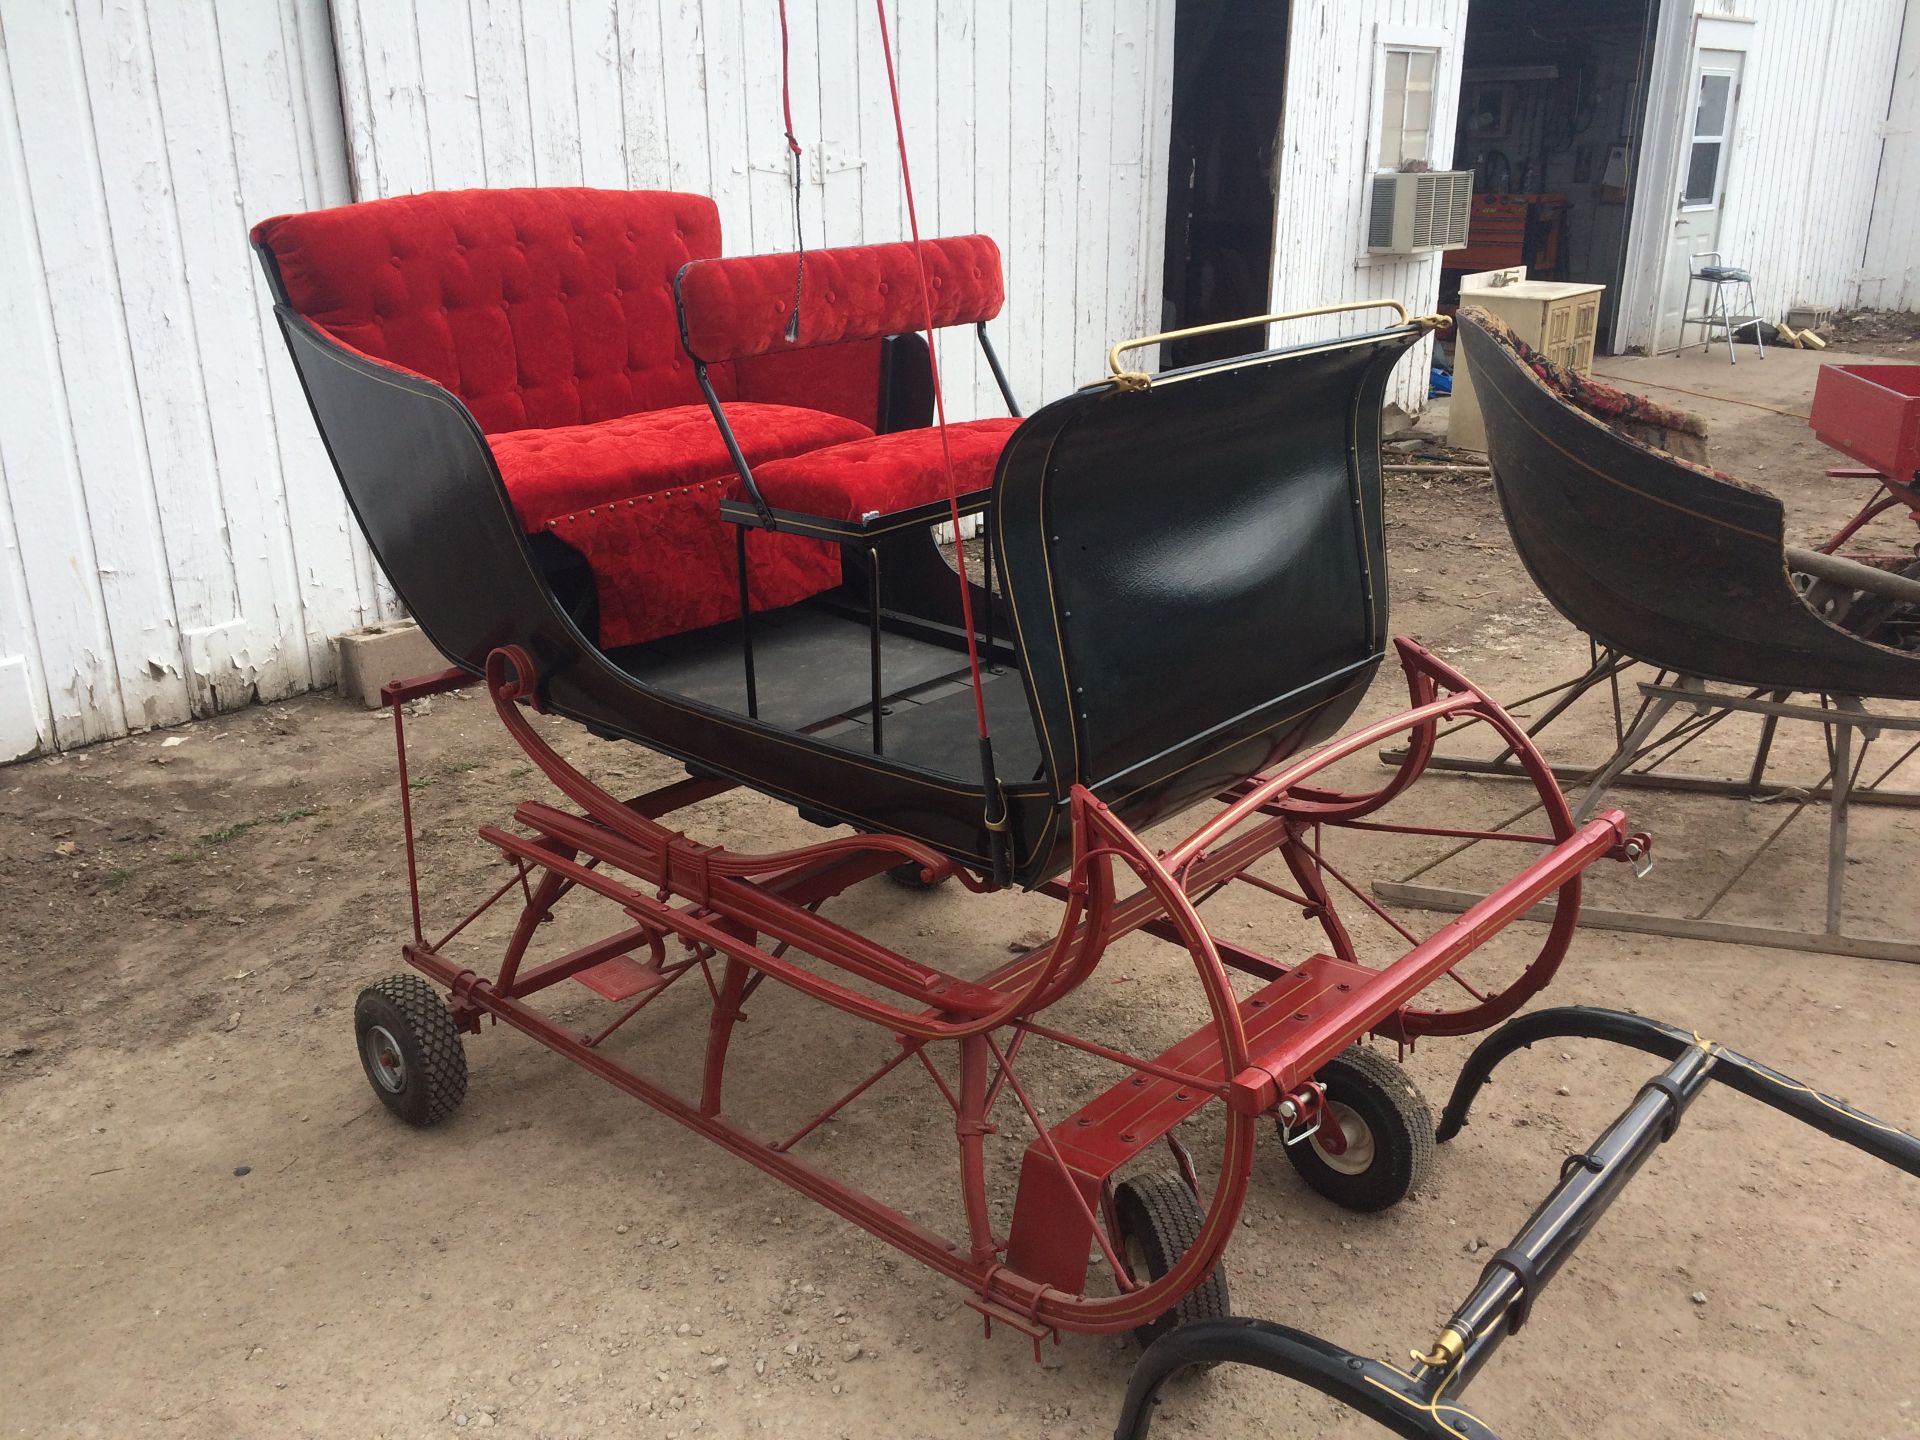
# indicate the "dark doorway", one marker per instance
pixel 1229 59
pixel 1552 108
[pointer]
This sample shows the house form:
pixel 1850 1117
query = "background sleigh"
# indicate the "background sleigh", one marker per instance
pixel 1194 583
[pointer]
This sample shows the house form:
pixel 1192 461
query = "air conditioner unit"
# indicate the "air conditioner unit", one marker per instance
pixel 1414 213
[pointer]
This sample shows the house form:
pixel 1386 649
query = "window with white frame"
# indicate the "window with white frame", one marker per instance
pixel 1406 105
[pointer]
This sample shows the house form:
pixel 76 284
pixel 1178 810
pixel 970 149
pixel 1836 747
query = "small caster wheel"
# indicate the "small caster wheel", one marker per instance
pixel 912 876
pixel 1375 1143
pixel 410 1048
pixel 1159 1220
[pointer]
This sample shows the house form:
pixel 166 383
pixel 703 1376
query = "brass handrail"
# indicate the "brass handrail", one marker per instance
pixel 1140 380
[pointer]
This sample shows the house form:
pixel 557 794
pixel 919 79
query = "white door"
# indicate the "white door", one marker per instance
pixel 1704 166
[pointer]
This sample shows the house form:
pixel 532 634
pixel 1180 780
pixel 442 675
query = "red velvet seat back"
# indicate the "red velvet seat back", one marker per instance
pixel 739 308
pixel 537 307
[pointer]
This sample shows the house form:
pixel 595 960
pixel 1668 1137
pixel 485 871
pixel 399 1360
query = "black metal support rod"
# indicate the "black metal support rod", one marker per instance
pixel 746 619
pixel 1380 1392
pixel 1588 1185
pixel 873 635
pixel 999 375
pixel 1736 1071
pixel 745 472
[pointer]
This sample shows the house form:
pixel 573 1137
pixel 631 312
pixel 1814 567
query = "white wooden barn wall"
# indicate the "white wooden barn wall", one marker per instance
pixel 1043 125
pixel 1326 145
pixel 173 538
pixel 174 542
pixel 1890 272
pixel 1813 105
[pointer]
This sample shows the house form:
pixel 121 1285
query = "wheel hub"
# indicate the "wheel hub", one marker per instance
pixel 1355 1152
pixel 384 1060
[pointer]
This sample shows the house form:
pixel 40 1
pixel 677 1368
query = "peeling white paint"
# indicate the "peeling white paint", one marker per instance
pixel 172 541
pixel 1063 163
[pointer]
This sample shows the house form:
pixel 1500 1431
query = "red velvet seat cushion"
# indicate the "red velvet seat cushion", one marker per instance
pixel 885 473
pixel 664 563
pixel 563 469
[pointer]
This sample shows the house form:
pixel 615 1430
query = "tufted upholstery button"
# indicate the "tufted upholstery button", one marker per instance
pixel 391 274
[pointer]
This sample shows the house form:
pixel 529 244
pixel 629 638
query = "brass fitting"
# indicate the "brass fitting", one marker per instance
pixel 1447 1350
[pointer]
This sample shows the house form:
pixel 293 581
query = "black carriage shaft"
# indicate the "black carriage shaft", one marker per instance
pixel 1426 1401
pixel 1589 1183
pixel 1738 1072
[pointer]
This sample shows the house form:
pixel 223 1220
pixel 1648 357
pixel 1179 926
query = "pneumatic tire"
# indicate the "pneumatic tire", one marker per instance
pixel 410 1049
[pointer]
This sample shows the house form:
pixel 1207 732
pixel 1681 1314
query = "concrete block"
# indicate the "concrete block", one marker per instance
pixel 376 655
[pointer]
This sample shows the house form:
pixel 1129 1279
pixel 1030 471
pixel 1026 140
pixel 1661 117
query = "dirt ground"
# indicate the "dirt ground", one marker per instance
pixel 211 1229
pixel 1880 333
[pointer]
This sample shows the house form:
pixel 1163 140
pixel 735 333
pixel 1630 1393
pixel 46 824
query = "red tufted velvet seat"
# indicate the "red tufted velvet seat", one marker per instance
pixel 886 473
pixel 566 469
pixel 738 310
pixel 550 313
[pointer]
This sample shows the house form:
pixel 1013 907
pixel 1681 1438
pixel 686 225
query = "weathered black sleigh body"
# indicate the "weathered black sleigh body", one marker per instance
pixel 1656 557
pixel 1194 578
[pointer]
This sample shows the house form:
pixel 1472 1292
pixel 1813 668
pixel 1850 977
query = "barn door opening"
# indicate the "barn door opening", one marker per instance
pixel 1553 106
pixel 1229 61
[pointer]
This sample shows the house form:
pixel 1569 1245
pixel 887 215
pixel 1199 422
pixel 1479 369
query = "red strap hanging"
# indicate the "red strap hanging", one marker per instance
pixel 793 146
pixel 940 405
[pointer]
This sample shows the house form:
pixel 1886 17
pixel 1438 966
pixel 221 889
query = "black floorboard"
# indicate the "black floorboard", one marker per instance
pixel 811 674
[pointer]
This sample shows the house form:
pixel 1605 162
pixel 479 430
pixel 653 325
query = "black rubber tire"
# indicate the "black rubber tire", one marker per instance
pixel 1159 1220
pixel 430 1080
pixel 910 875
pixel 1398 1121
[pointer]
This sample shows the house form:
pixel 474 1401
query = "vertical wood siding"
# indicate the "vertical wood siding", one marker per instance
pixel 1040 122
pixel 1326 145
pixel 1807 186
pixel 1890 274
pixel 1813 106
pixel 171 537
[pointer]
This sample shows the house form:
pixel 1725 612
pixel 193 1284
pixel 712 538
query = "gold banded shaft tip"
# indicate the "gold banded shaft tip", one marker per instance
pixel 1446 1350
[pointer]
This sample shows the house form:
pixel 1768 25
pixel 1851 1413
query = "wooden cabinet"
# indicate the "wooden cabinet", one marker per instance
pixel 1558 318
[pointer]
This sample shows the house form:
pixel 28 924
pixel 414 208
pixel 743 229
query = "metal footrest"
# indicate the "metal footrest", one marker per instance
pixel 621 978
pixel 1121 1122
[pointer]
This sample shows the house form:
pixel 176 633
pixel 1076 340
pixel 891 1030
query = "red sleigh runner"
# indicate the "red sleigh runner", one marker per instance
pixel 1191 603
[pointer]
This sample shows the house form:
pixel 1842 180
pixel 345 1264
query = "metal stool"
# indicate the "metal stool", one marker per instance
pixel 1720 278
